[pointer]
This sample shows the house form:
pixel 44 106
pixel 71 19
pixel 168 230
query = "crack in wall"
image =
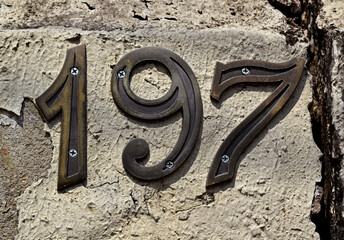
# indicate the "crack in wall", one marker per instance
pixel 327 202
pixel 320 55
pixel 89 6
pixel 293 12
pixel 322 126
pixel 103 184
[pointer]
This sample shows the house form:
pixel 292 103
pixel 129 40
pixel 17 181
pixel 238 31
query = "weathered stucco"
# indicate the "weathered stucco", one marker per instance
pixel 331 15
pixel 273 191
pixel 133 14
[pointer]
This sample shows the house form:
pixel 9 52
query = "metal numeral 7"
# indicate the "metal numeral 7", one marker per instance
pixel 288 74
pixel 68 95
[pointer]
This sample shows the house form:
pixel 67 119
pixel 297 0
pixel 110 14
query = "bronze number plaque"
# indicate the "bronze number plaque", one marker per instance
pixel 68 95
pixel 184 95
pixel 287 74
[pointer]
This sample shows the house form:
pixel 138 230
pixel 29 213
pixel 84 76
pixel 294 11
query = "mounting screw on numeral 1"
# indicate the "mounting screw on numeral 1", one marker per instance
pixel 74 71
pixel 67 95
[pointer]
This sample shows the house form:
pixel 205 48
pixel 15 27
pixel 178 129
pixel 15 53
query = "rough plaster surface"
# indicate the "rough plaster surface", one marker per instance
pixel 272 194
pixel 133 14
pixel 331 15
pixel 330 21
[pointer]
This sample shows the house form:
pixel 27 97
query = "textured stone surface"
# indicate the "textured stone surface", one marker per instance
pixel 273 191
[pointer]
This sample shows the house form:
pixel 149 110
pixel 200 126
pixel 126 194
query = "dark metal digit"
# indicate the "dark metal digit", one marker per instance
pixel 288 74
pixel 184 96
pixel 68 95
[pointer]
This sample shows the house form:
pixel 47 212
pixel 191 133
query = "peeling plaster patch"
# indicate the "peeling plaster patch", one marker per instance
pixel 25 155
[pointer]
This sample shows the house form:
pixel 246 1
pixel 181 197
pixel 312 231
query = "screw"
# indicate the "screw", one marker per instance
pixel 73 153
pixel 245 71
pixel 121 74
pixel 169 164
pixel 225 158
pixel 74 71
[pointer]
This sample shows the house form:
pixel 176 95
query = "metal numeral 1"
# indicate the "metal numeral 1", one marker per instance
pixel 68 95
pixel 287 74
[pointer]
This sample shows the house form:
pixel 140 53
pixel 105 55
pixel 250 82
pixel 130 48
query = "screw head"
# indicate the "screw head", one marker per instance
pixel 74 71
pixel 73 153
pixel 169 164
pixel 245 71
pixel 121 74
pixel 225 158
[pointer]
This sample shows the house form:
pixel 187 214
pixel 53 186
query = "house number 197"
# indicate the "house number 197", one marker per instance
pixel 68 96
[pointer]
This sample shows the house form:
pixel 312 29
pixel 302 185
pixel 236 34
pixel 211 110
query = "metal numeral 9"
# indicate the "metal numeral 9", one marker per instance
pixel 184 96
